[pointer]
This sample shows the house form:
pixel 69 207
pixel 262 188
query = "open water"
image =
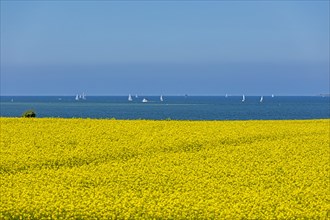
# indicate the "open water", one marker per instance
pixel 173 107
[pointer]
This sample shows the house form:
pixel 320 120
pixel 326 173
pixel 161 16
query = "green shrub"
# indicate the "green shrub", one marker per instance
pixel 29 114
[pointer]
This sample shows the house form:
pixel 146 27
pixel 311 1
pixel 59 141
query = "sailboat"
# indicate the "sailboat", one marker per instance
pixel 261 98
pixel 144 100
pixel 77 97
pixel 243 99
pixel 136 96
pixel 226 95
pixel 130 98
pixel 272 95
pixel 161 98
pixel 83 96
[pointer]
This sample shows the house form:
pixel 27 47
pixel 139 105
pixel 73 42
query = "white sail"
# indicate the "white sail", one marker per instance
pixel 243 99
pixel 130 98
pixel 161 98
pixel 136 96
pixel 272 95
pixel 144 100
pixel 226 95
pixel 83 96
pixel 261 98
pixel 77 97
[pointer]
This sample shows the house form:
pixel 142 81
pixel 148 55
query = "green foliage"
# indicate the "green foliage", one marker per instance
pixel 29 114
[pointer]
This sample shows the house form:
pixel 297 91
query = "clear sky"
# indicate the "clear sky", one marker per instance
pixel 164 47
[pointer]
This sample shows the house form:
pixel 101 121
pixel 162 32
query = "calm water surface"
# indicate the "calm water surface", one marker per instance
pixel 173 107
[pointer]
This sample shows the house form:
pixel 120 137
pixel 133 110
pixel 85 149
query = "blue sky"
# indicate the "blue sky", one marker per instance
pixel 164 47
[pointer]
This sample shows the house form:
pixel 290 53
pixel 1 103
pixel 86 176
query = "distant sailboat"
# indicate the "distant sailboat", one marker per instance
pixel 144 100
pixel 272 95
pixel 243 99
pixel 77 97
pixel 226 95
pixel 136 96
pixel 130 98
pixel 261 98
pixel 161 98
pixel 83 96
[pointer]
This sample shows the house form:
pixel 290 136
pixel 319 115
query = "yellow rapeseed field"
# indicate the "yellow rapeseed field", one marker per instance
pixel 117 169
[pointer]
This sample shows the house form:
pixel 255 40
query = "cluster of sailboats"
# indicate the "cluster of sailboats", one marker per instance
pixel 144 100
pixel 80 97
pixel 243 97
pixel 161 99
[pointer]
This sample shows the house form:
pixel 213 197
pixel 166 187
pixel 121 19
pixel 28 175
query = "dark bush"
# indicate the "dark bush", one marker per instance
pixel 29 114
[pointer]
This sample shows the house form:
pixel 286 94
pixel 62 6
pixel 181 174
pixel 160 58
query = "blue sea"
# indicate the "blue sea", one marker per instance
pixel 173 107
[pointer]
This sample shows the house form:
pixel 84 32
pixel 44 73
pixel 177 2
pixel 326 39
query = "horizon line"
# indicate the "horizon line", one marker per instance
pixel 161 94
